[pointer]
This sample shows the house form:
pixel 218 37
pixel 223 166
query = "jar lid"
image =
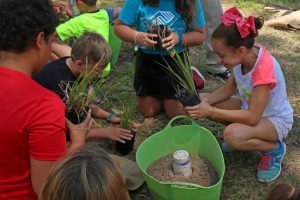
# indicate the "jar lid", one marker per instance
pixel 181 155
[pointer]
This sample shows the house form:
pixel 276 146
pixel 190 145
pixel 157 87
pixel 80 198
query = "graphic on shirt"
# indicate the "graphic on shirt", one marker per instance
pixel 245 93
pixel 161 17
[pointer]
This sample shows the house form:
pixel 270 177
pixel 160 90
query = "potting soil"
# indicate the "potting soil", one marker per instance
pixel 203 173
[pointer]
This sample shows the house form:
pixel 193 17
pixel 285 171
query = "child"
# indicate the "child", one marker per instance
pixel 91 19
pixel 58 74
pixel 153 85
pixel 284 192
pixel 263 115
pixel 85 175
pixel 32 120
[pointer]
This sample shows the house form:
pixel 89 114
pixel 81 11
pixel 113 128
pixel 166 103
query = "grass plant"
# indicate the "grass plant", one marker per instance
pixel 127 114
pixel 182 74
pixel 80 94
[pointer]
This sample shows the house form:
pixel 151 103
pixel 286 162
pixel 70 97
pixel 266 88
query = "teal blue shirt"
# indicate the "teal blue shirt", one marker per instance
pixel 135 13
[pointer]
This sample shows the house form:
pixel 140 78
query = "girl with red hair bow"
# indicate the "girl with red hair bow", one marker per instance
pixel 262 116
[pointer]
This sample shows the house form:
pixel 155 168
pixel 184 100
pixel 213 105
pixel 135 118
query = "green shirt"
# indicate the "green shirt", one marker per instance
pixel 94 21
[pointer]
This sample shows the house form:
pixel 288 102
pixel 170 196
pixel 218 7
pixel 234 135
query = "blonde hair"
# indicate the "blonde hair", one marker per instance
pixel 88 174
pixel 91 47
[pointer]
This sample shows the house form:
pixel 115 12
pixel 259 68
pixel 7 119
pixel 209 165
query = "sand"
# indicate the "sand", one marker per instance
pixel 203 173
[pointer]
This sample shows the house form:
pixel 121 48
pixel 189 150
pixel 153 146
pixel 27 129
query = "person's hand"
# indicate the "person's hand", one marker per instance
pixel 65 7
pixel 79 132
pixel 170 41
pixel 114 133
pixel 199 111
pixel 145 39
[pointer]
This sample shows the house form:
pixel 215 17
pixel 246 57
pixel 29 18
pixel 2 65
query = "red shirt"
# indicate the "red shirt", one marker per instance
pixel 32 125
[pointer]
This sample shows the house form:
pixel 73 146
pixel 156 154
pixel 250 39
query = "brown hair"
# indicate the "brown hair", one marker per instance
pixel 232 37
pixel 88 174
pixel 93 48
pixel 283 192
pixel 186 8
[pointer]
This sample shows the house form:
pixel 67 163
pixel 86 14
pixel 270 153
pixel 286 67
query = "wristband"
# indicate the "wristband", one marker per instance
pixel 110 116
pixel 179 39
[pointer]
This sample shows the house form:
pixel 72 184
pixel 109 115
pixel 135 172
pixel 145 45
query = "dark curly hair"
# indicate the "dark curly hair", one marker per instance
pixel 22 21
pixel 186 8
pixel 232 37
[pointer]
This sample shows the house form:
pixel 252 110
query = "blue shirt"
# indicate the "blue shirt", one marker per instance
pixel 135 13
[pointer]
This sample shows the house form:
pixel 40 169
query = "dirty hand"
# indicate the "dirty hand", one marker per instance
pixel 170 41
pixel 199 111
pixel 145 39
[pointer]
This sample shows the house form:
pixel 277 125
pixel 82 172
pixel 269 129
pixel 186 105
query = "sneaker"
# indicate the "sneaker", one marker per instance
pixel 223 77
pixel 226 148
pixel 269 167
pixel 198 78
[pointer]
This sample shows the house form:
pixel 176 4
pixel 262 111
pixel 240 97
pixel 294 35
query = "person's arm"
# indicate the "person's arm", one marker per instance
pixel 47 138
pixel 192 38
pixel 39 171
pixel 251 117
pixel 222 93
pixel 98 112
pixel 112 133
pixel 60 49
pixel 129 34
pixel 65 5
pixel 79 132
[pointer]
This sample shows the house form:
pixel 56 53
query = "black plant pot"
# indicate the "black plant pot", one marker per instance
pixel 127 147
pixel 188 100
pixel 161 31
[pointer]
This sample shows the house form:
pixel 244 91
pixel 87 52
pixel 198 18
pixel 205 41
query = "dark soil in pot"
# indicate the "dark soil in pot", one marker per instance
pixel 162 31
pixel 127 147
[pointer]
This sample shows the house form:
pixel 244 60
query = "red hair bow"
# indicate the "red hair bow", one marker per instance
pixel 233 16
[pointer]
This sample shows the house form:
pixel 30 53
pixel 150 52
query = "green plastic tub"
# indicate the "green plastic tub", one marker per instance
pixel 193 138
pixel 115 45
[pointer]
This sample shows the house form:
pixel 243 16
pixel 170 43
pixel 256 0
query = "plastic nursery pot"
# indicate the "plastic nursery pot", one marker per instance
pixel 162 31
pixel 127 147
pixel 188 100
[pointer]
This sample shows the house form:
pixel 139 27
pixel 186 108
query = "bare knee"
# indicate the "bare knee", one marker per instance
pixel 173 108
pixel 233 136
pixel 149 106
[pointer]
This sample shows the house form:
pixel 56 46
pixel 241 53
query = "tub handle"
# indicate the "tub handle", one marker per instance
pixel 184 185
pixel 180 117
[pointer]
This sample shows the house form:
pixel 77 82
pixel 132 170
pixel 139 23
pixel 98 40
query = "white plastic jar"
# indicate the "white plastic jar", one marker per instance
pixel 181 163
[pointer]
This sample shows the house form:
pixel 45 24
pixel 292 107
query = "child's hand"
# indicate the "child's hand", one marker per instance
pixel 170 41
pixel 79 132
pixel 199 111
pixel 116 134
pixel 145 39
